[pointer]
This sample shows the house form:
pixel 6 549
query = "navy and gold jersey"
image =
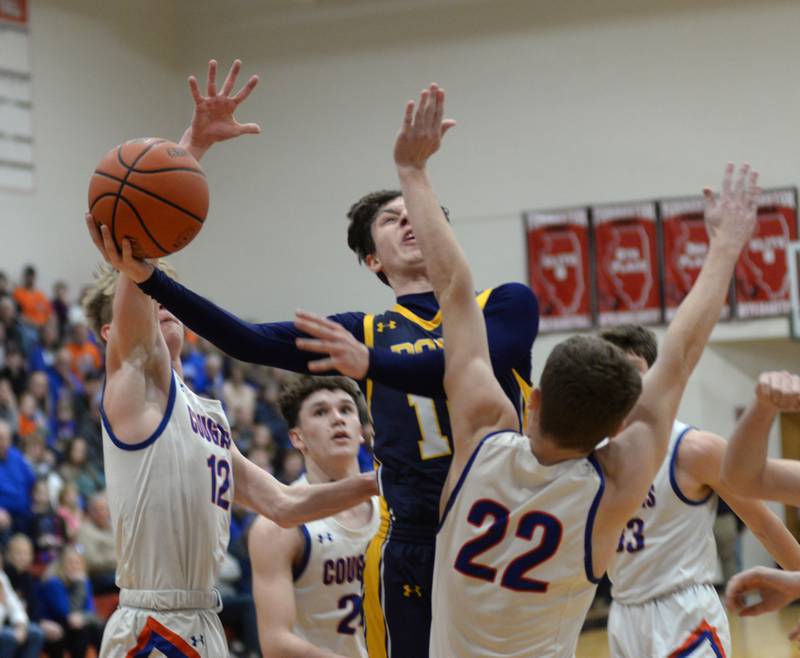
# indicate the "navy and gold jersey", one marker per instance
pixel 413 440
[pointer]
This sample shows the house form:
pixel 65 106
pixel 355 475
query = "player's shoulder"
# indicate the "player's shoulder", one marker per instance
pixel 513 295
pixel 267 538
pixel 699 449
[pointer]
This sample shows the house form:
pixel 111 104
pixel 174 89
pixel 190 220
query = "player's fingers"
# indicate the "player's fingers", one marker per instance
pixel 109 246
pixel 438 114
pixel 795 634
pixel 95 234
pixel 321 365
pixel 744 171
pixel 727 178
pixel 430 110
pixel 244 92
pixel 320 320
pixel 710 197
pixel 315 328
pixel 194 88
pixel 313 345
pixel 127 250
pixel 754 610
pixel 446 125
pixel 249 129
pixel 408 115
pixel 422 108
pixel 230 79
pixel 211 85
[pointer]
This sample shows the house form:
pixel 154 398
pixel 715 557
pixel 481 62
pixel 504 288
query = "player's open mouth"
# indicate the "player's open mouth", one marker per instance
pixel 341 436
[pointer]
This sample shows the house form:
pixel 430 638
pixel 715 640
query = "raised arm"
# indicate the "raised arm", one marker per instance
pixel 289 506
pixel 477 403
pixel 274 553
pixel 213 120
pixel 138 368
pixel 746 468
pixel 632 459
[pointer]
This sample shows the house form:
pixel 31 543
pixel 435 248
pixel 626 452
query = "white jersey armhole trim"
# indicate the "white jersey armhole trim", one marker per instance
pixel 152 438
pixel 452 499
pixel 587 539
pixel 673 480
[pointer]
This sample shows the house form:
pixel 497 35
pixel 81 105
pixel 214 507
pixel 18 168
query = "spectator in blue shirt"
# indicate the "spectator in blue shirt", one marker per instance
pixel 16 481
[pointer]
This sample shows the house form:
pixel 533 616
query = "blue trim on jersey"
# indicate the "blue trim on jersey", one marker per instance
pixel 152 438
pixel 457 488
pixel 705 635
pixel 300 568
pixel 674 480
pixel 587 538
pixel 163 645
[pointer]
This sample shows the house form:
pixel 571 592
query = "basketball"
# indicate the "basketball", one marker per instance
pixel 151 191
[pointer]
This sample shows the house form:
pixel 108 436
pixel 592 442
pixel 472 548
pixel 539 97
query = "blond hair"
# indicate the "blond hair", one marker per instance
pixel 98 302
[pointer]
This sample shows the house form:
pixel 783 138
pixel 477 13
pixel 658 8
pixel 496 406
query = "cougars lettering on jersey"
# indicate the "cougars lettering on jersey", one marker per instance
pixel 685 244
pixel 628 283
pixel 328 583
pixel 762 274
pixel 559 271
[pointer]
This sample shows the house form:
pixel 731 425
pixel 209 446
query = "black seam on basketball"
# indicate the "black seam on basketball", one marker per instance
pixel 144 226
pixel 152 194
pixel 125 164
pixel 159 171
pixel 102 196
pixel 122 187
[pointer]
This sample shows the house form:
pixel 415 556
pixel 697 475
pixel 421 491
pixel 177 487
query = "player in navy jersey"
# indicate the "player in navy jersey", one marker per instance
pixel 397 358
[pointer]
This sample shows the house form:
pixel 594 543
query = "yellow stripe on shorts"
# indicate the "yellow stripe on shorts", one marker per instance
pixel 373 588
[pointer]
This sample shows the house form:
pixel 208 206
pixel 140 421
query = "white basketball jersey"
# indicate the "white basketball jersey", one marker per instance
pixel 327 584
pixel 513 573
pixel 669 544
pixel 170 496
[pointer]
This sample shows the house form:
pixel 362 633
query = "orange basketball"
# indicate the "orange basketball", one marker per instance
pixel 151 191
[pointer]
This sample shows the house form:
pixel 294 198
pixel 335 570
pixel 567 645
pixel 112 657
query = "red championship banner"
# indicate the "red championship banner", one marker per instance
pixel 558 265
pixel 14 11
pixel 626 264
pixel 762 275
pixel 685 245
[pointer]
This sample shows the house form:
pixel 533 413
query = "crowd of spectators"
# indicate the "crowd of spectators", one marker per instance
pixel 55 528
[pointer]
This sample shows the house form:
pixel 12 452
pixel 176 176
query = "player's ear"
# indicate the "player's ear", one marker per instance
pixel 373 263
pixel 296 438
pixel 105 330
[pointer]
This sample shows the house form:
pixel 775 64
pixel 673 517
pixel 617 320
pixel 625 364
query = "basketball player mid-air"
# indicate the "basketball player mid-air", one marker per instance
pixel 307 580
pixel 666 559
pixel 173 473
pixel 530 522
pixel 397 358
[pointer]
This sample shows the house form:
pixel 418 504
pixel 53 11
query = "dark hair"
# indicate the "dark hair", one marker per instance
pixel 588 386
pixel 633 338
pixel 361 215
pixel 296 389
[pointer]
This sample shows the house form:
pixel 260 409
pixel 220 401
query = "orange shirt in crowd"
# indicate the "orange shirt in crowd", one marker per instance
pixel 34 305
pixel 85 358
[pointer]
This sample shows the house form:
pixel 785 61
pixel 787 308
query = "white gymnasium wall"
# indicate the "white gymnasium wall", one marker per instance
pixel 557 103
pixel 102 72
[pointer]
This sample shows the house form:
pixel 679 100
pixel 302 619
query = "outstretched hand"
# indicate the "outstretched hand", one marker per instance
pixel 421 134
pixel 343 352
pixel 213 119
pixel 121 260
pixel 769 589
pixel 733 216
pixel 780 390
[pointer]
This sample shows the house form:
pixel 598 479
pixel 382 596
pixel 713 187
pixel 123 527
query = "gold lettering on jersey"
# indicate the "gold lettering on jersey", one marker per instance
pixel 421 345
